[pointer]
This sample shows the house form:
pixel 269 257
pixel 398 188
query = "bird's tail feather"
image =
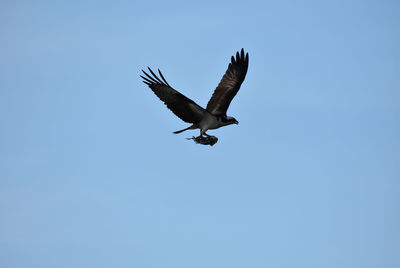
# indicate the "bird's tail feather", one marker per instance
pixel 180 131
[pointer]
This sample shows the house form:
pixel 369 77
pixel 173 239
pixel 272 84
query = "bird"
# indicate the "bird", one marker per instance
pixel 214 115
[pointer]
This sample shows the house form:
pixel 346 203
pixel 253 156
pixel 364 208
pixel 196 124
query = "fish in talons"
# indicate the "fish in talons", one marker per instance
pixel 205 140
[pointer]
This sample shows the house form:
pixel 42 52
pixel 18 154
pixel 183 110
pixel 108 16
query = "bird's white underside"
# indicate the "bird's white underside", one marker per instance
pixel 210 122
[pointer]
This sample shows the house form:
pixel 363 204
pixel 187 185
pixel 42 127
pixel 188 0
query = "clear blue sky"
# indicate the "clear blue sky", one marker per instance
pixel 92 176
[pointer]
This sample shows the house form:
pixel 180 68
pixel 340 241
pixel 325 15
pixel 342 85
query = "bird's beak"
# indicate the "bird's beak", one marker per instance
pixel 237 123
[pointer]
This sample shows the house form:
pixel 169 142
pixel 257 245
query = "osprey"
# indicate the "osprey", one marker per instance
pixel 214 116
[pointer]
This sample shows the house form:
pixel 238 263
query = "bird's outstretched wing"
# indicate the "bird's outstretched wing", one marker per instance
pixel 229 85
pixel 181 106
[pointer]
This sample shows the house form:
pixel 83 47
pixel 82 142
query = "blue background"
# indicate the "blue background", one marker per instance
pixel 91 175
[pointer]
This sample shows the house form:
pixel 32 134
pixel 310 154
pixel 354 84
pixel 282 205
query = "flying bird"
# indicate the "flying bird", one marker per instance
pixel 214 116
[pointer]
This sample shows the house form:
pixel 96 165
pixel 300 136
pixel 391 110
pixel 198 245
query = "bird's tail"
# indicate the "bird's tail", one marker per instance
pixel 180 131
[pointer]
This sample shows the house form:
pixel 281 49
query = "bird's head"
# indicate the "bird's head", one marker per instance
pixel 232 120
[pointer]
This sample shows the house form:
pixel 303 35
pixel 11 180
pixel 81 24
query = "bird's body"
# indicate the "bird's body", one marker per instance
pixel 214 116
pixel 209 121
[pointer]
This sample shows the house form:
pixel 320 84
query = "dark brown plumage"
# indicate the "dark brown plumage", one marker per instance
pixel 180 105
pixel 229 85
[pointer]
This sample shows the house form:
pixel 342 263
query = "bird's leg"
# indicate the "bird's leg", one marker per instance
pixel 201 133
